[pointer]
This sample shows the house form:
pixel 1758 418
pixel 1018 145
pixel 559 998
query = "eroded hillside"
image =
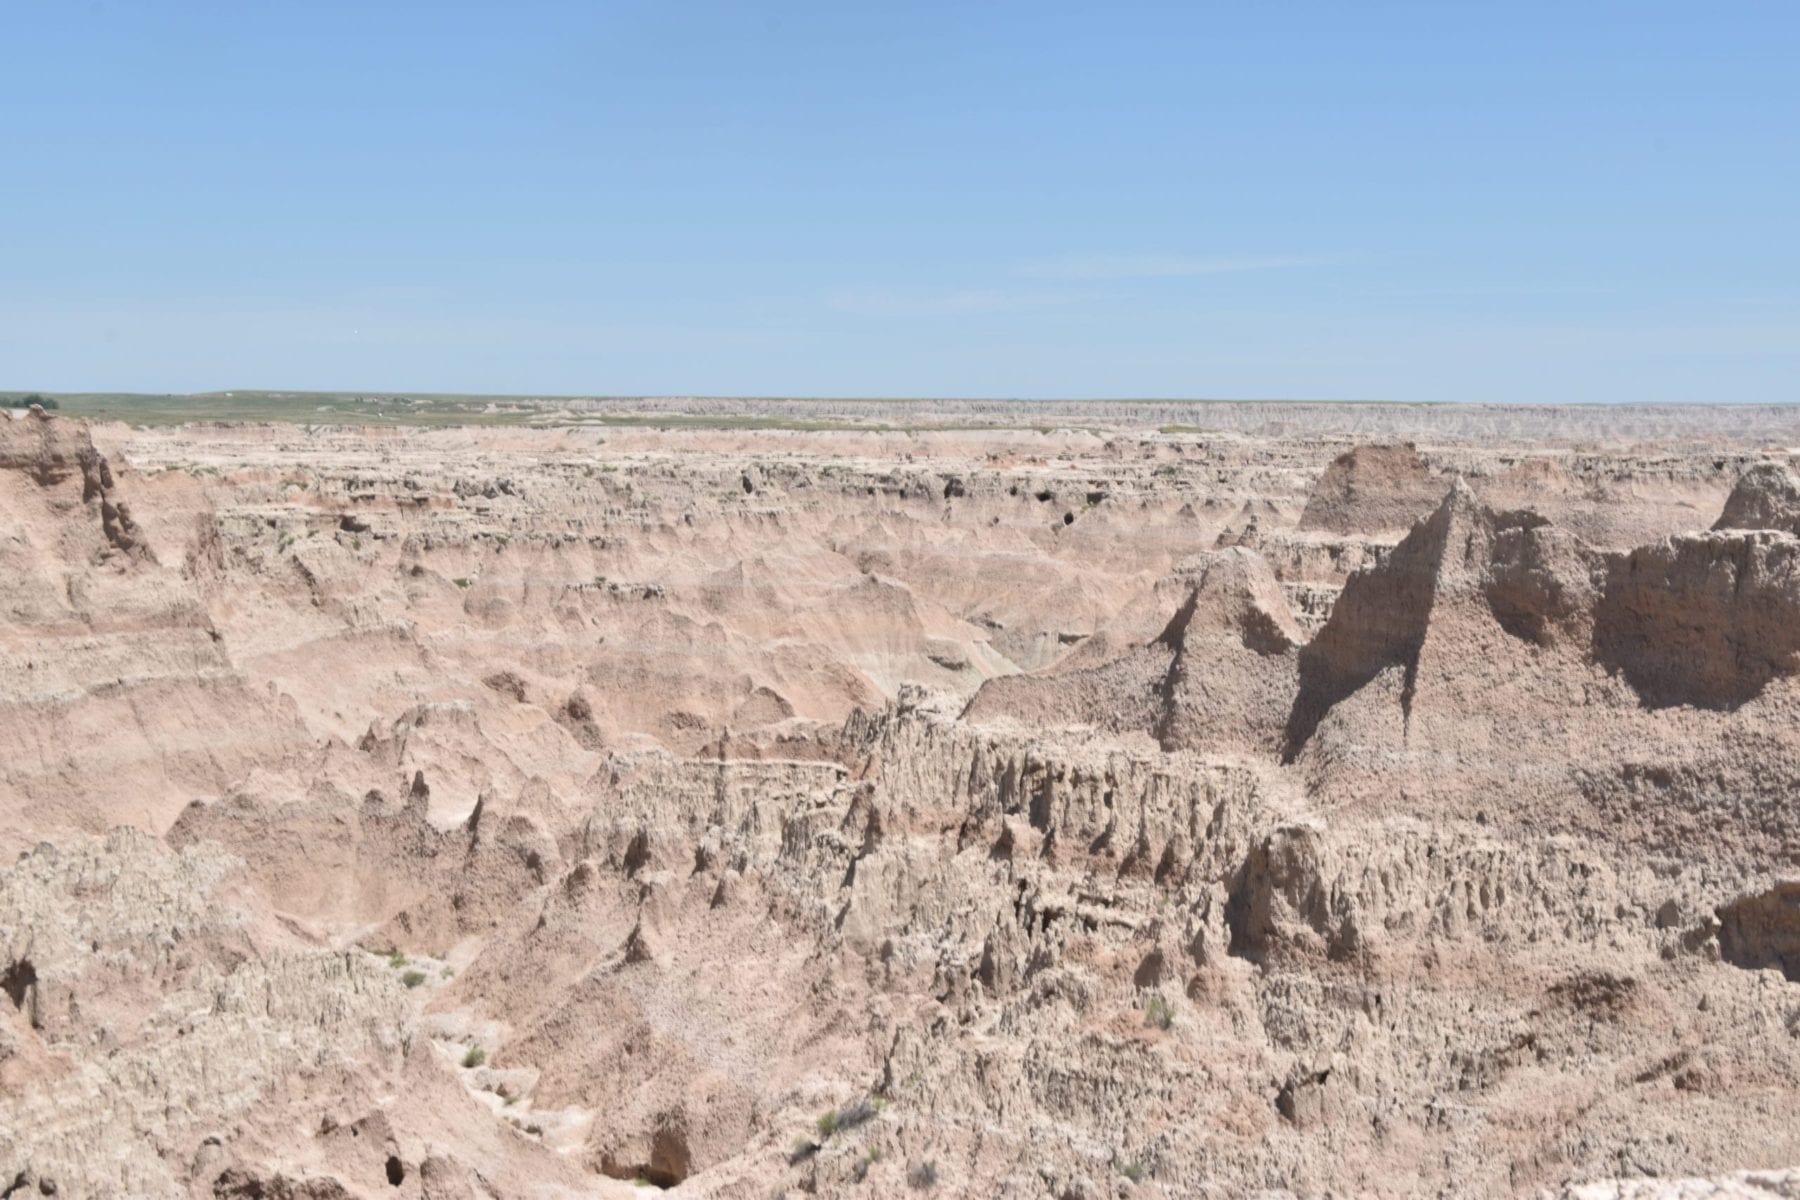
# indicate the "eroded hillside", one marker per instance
pixel 978 812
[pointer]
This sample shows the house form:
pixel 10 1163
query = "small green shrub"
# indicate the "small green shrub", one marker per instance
pixel 857 1112
pixel 1158 1013
pixel 1133 1170
pixel 413 979
pixel 474 1058
pixel 462 582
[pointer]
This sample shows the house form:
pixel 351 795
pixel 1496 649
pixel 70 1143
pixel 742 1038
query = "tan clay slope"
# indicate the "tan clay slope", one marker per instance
pixel 117 702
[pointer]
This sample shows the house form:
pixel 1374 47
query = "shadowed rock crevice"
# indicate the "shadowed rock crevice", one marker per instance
pixel 669 1161
pixel 1379 623
pixel 1763 930
pixel 20 982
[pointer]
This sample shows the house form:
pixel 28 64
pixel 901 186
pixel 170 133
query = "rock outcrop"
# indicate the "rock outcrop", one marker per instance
pixel 1767 496
pixel 1218 673
pixel 1373 489
pixel 1705 619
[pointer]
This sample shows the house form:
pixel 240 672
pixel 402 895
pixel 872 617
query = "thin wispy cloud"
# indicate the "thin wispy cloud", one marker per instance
pixel 1169 266
pixel 958 302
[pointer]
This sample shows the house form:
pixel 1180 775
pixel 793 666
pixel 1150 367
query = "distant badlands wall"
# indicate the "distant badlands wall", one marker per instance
pixel 1776 423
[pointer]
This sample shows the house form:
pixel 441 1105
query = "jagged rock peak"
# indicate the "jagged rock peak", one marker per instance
pixel 1235 590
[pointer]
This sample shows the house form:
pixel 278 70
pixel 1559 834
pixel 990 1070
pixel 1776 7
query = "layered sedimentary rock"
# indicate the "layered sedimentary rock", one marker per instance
pixel 117 700
pixel 551 814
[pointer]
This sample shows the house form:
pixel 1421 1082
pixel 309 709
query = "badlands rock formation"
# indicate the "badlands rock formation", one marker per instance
pixel 1107 811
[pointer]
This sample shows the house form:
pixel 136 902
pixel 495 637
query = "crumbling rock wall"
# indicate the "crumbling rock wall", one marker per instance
pixel 1706 620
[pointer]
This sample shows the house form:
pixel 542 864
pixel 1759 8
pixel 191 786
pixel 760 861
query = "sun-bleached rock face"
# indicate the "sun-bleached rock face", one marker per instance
pixel 161 1031
pixel 146 1014
pixel 965 812
pixel 1740 1185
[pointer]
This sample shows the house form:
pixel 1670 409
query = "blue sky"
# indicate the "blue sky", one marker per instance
pixel 1523 201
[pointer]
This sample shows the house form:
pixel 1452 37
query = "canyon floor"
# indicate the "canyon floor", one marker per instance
pixel 747 800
